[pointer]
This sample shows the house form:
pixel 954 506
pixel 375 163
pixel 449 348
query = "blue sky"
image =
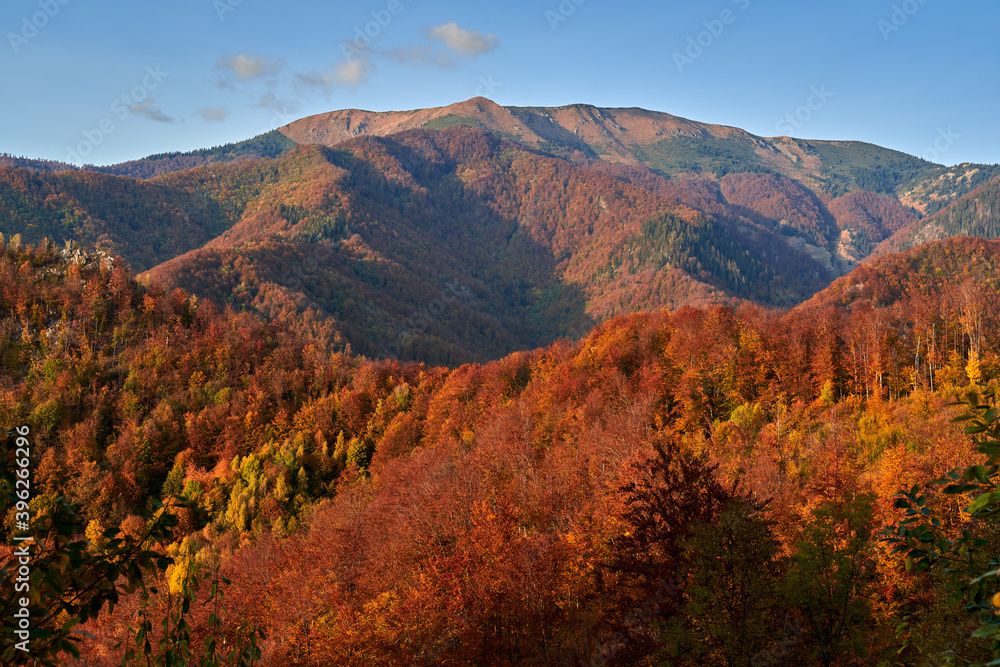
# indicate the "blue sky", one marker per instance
pixel 114 80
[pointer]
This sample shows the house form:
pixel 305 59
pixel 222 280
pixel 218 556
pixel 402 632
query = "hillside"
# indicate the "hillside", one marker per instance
pixel 912 276
pixel 974 214
pixel 673 148
pixel 434 227
pixel 447 246
pixel 520 511
pixel 467 232
pixel 668 144
pixel 144 221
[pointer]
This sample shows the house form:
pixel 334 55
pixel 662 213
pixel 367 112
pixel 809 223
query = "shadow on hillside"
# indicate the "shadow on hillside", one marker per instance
pixel 433 272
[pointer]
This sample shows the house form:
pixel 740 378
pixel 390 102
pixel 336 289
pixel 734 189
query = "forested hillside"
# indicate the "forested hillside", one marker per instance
pixel 145 222
pixel 465 233
pixel 443 246
pixel 605 500
pixel 975 214
pixel 512 212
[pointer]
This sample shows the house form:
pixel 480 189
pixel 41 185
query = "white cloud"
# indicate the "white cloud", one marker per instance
pixel 213 114
pixel 246 67
pixel 352 72
pixel 148 109
pixel 344 74
pixel 470 42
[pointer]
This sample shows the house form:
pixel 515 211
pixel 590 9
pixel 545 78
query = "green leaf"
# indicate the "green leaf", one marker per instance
pixel 983 501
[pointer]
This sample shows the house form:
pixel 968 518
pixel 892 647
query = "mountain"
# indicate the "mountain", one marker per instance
pixel 668 144
pixel 467 232
pixel 459 245
pixel 867 191
pixel 527 247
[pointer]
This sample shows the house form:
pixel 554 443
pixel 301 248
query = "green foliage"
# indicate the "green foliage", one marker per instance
pixel 960 210
pixel 46 415
pixel 449 120
pixel 943 186
pixel 706 250
pixel 963 552
pixel 332 227
pixel 975 215
pixel 173 647
pixel 700 154
pixel 863 166
pixel 174 484
pixel 70 581
pixel 359 453
pixel 270 144
pixel 876 179
pixel 676 496
pixel 830 576
pixel 733 596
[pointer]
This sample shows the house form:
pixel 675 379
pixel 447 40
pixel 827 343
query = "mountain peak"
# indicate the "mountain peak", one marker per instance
pixel 610 134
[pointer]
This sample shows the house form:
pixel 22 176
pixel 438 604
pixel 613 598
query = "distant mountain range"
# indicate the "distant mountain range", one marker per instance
pixel 465 232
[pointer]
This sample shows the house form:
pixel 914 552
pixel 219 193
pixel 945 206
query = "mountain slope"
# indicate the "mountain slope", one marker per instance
pixel 413 502
pixel 975 214
pixel 466 232
pixel 907 279
pixel 464 243
pixel 666 143
pixel 145 221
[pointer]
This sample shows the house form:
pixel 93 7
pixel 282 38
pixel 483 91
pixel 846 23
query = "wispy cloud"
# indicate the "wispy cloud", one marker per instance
pixel 213 114
pixel 149 109
pixel 245 67
pixel 420 55
pixel 352 72
pixel 460 40
pixel 243 72
pixel 272 102
pixel 349 73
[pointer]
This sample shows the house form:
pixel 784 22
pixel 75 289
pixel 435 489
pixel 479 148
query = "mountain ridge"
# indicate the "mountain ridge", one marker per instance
pixel 532 222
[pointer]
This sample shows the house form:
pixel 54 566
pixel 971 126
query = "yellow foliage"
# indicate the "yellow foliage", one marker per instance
pixel 94 533
pixel 972 368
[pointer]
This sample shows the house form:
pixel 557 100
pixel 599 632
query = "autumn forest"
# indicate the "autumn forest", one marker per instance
pixel 442 398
